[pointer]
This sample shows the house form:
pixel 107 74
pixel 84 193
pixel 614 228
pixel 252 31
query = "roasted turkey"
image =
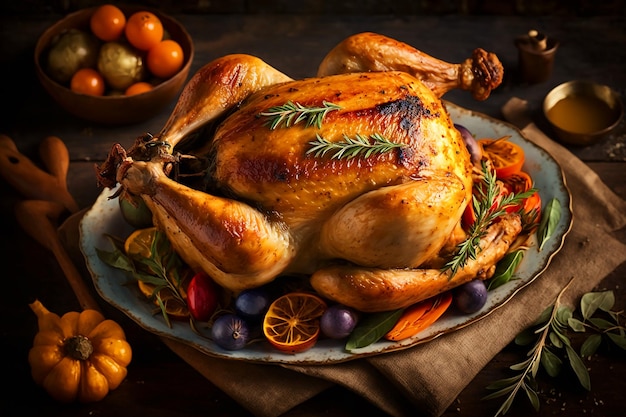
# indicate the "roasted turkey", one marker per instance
pixel 355 177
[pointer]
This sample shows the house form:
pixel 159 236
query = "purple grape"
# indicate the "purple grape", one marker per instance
pixel 252 304
pixel 471 296
pixel 338 321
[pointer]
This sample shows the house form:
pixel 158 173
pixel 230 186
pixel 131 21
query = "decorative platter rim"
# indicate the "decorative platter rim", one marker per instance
pixel 104 217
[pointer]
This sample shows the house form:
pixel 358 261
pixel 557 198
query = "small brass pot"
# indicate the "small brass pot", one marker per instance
pixel 582 112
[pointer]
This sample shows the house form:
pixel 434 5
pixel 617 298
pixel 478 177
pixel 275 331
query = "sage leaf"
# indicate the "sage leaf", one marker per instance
pixel 500 392
pixel 619 340
pixel 116 259
pixel 505 269
pixel 551 363
pixel 525 338
pixel 549 221
pixel 576 325
pixel 556 341
pixel 579 368
pixel 590 345
pixel 532 396
pixel 601 323
pixel 501 383
pixel 592 301
pixel 372 328
pixel 520 366
pixel 563 314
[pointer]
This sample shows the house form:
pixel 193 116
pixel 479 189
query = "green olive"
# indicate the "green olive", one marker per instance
pixel 69 52
pixel 120 65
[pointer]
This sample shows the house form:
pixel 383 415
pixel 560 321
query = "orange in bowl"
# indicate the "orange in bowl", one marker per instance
pixel 113 108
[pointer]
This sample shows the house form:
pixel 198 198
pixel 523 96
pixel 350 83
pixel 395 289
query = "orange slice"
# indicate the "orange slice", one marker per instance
pixel 292 322
pixel 174 307
pixel 139 243
pixel 507 157
pixel 419 316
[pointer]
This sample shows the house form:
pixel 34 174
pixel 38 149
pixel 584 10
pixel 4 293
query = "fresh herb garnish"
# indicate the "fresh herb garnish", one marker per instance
pixel 372 328
pixel 350 148
pixel 488 204
pixel 505 269
pixel 549 333
pixel 549 221
pixel 161 269
pixel 291 113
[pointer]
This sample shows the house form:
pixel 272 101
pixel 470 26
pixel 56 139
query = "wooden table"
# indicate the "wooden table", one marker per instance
pixel 160 383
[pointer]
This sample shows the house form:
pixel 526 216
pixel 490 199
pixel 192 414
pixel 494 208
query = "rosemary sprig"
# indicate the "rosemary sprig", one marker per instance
pixel 291 113
pixel 350 148
pixel 488 205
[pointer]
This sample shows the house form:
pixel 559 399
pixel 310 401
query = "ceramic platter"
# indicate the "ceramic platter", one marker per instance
pixel 113 284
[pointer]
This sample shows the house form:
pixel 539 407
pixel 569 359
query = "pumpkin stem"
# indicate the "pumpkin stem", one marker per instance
pixel 78 347
pixel 39 309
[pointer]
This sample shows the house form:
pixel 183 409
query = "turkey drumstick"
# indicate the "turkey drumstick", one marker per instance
pixel 368 51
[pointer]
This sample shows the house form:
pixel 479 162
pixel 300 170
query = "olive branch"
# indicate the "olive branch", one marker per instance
pixel 549 333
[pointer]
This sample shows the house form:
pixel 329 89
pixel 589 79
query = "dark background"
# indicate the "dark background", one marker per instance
pixel 398 7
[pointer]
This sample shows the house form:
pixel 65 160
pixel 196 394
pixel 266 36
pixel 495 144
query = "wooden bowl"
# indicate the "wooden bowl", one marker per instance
pixel 114 109
pixel 582 112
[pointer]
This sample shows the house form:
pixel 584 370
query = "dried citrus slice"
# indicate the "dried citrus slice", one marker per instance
pixel 507 157
pixel 174 307
pixel 292 322
pixel 139 243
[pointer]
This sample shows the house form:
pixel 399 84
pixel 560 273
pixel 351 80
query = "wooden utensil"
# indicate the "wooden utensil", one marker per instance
pixel 38 219
pixel 32 182
pixel 48 198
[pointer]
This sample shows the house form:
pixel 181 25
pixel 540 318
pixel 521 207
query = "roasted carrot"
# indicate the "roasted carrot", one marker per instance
pixel 419 316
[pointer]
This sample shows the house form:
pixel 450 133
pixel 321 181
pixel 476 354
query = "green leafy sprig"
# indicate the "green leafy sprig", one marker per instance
pixel 161 269
pixel 291 113
pixel 550 337
pixel 549 221
pixel 488 204
pixel 350 148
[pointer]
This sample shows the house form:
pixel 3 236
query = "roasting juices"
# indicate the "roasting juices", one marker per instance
pixel 580 114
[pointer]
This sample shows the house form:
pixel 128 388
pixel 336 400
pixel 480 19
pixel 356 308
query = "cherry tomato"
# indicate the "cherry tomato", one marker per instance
pixel 165 58
pixel 107 22
pixel 87 81
pixel 144 30
pixel 507 157
pixel 138 88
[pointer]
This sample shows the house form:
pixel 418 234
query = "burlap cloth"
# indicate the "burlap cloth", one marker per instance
pixel 427 378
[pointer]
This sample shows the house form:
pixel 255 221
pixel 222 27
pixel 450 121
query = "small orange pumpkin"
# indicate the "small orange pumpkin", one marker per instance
pixel 79 356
